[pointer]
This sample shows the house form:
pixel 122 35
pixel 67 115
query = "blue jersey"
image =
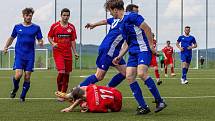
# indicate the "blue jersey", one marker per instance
pixel 136 37
pixel 114 39
pixel 186 41
pixel 25 45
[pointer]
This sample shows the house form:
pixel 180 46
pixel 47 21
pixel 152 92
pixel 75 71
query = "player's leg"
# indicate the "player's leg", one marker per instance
pixel 26 85
pixel 165 67
pixel 68 69
pixel 171 62
pixel 18 67
pixel 131 73
pixel 185 66
pixel 59 62
pixel 16 80
pixel 142 72
pixel 157 75
pixel 118 78
pixel 29 65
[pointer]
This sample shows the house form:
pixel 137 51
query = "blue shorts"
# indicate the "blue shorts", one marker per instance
pixel 104 61
pixel 26 65
pixel 186 57
pixel 139 58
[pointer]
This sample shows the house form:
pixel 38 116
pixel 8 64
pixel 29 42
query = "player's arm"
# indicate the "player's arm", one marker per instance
pixel 8 43
pixel 72 107
pixel 93 25
pixel 179 47
pixel 40 42
pixel 144 26
pixel 54 45
pixel 164 54
pixel 192 47
pixel 123 51
pixel 74 49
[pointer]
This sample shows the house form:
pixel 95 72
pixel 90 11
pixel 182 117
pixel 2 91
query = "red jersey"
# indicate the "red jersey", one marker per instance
pixel 63 37
pixel 102 98
pixel 155 46
pixel 168 51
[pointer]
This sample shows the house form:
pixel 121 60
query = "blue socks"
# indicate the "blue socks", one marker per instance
pixel 184 73
pixel 89 80
pixel 15 84
pixel 116 80
pixel 135 88
pixel 26 86
pixel 153 89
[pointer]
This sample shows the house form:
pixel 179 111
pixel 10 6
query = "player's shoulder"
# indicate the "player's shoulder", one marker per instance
pixel 70 25
pixel 18 25
pixel 35 25
pixel 56 24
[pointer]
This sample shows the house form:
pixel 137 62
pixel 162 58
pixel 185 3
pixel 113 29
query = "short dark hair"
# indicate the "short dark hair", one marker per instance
pixel 28 11
pixel 64 10
pixel 77 93
pixel 112 4
pixel 130 7
pixel 187 27
pixel 167 41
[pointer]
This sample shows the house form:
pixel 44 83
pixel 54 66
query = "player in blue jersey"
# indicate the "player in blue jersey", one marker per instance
pixel 108 50
pixel 186 43
pixel 26 34
pixel 140 46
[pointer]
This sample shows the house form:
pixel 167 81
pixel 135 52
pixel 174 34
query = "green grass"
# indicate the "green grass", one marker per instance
pixel 43 85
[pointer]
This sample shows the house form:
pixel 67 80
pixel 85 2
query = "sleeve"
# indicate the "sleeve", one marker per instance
pixel 39 34
pixel 74 35
pixel 194 40
pixel 110 21
pixel 179 39
pixel 164 50
pixel 51 32
pixel 14 32
pixel 136 19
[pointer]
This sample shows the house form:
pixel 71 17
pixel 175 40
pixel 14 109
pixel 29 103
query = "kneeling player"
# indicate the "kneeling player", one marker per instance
pixel 94 98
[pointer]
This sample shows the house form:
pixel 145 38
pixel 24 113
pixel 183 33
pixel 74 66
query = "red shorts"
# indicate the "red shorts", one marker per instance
pixel 62 64
pixel 153 61
pixel 168 61
pixel 117 105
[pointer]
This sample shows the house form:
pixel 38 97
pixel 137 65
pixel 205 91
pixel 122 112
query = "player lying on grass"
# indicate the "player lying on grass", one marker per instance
pixel 93 98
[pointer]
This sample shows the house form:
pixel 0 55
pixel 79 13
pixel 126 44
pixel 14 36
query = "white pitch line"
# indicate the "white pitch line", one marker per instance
pixel 193 97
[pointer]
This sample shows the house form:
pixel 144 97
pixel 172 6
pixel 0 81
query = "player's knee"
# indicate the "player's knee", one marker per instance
pixel 27 77
pixel 143 76
pixel 99 77
pixel 18 76
pixel 130 78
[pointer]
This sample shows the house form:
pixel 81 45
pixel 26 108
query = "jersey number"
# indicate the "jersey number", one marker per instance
pixel 106 94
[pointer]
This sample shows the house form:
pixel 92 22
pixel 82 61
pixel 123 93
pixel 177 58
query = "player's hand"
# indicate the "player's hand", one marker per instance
pixel 5 50
pixel 89 25
pixel 65 110
pixel 40 43
pixel 189 48
pixel 116 60
pixel 76 56
pixel 54 45
pixel 182 49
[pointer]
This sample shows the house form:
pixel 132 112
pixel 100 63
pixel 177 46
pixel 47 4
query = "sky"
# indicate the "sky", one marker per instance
pixel 169 18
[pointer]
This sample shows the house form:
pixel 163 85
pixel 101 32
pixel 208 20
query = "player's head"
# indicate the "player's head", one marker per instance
pixel 187 30
pixel 132 8
pixel 27 14
pixel 77 93
pixel 65 14
pixel 168 43
pixel 115 7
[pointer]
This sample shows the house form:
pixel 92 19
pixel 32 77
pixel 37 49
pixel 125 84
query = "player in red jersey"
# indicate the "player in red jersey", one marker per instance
pixel 62 36
pixel 168 55
pixel 154 63
pixel 94 98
